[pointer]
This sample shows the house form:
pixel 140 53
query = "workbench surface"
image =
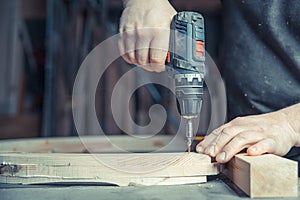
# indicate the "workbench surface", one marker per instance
pixel 212 190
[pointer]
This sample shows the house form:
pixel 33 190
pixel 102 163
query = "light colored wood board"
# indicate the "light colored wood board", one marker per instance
pixel 95 144
pixel 120 181
pixel 106 166
pixel 147 164
pixel 264 176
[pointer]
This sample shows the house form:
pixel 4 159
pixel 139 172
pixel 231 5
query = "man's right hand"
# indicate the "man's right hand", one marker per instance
pixel 144 33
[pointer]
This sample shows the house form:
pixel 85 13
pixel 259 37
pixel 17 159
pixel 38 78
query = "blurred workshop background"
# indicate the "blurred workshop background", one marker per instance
pixel 43 43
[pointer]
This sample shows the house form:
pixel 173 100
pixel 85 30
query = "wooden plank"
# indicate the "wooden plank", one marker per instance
pixel 120 181
pixel 94 144
pixel 264 176
pixel 121 169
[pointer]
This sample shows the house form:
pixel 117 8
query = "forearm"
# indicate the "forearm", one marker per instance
pixel 293 116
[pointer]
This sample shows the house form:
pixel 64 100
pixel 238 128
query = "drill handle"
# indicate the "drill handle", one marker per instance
pixel 187 44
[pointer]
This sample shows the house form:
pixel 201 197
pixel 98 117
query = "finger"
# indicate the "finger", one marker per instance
pixel 264 146
pixel 142 49
pixel 126 33
pixel 141 56
pixel 121 45
pixel 158 49
pixel 238 143
pixel 148 66
pixel 157 59
pixel 128 38
pixel 130 50
pixel 201 147
pixel 223 138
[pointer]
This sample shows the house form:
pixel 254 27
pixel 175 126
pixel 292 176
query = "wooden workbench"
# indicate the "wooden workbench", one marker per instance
pixel 213 189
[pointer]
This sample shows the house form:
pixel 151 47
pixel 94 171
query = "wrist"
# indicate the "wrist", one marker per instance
pixel 293 118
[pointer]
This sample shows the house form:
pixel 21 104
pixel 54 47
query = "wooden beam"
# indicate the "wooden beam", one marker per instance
pixel 264 176
pixel 120 169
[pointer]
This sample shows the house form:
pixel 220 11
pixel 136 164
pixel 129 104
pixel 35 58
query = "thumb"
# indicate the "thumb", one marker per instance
pixel 263 146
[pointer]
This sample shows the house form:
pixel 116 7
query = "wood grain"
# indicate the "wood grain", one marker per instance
pixel 94 143
pixel 264 176
pixel 120 169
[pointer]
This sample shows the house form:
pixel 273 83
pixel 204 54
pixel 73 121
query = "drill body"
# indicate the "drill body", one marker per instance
pixel 185 63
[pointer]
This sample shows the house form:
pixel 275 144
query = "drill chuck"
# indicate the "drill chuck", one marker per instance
pixel 189 92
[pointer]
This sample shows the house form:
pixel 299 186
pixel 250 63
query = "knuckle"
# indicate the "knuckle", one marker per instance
pixel 229 151
pixel 157 59
pixel 141 56
pixel 218 131
pixel 131 58
pixel 128 60
pixel 141 61
pixel 242 137
pixel 215 132
pixel 204 143
pixel 237 120
pixel 268 145
pixel 228 131
pixel 233 148
pixel 128 30
pixel 130 55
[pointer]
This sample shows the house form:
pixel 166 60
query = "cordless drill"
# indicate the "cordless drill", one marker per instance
pixel 185 63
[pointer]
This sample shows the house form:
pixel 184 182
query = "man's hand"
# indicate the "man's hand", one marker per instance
pixel 144 33
pixel 274 132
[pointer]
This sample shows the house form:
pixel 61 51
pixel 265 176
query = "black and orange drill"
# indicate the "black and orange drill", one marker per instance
pixel 185 63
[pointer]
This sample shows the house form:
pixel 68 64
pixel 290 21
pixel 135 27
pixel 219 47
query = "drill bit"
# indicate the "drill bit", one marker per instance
pixel 189 134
